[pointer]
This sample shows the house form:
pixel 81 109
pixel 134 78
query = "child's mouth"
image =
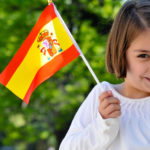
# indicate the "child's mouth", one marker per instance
pixel 147 79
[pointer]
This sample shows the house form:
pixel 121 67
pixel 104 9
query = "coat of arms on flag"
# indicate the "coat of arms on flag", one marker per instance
pixel 48 45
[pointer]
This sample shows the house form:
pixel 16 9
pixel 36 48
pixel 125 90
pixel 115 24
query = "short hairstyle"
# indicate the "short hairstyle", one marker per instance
pixel 132 19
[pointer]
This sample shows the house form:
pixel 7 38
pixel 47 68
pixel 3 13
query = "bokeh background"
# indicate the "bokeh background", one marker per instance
pixel 44 122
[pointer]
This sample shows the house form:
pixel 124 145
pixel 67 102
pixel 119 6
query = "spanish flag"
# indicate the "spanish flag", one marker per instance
pixel 48 48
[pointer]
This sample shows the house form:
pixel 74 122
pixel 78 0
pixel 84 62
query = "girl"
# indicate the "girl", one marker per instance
pixel 119 117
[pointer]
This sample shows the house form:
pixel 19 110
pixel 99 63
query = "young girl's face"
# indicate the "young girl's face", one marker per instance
pixel 137 81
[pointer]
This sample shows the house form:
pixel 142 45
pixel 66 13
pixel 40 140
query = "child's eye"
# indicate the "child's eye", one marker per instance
pixel 143 56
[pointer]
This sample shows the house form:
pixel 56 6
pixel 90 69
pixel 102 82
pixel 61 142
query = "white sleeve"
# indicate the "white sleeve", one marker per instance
pixel 88 130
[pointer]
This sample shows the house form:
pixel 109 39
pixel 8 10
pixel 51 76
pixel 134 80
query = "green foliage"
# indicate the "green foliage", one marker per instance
pixel 44 122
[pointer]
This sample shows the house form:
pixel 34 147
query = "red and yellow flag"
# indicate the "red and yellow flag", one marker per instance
pixel 47 49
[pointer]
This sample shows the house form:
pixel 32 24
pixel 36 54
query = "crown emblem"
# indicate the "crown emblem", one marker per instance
pixel 43 35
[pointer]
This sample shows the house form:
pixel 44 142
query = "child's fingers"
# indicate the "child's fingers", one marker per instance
pixel 111 108
pixel 115 114
pixel 105 95
pixel 110 100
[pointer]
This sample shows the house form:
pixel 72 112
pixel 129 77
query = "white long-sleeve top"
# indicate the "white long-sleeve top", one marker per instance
pixel 89 131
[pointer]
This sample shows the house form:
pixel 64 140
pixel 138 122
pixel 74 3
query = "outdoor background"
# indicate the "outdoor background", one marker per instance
pixel 44 122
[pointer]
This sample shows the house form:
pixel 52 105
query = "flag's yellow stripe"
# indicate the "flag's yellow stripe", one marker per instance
pixel 62 37
pixel 34 60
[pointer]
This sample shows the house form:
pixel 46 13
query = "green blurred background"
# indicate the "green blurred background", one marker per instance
pixel 44 122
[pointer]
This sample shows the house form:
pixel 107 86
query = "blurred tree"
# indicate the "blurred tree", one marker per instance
pixel 46 120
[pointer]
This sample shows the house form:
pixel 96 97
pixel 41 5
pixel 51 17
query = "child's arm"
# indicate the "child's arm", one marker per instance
pixel 89 131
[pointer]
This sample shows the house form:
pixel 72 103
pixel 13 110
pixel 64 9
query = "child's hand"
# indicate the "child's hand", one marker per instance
pixel 109 105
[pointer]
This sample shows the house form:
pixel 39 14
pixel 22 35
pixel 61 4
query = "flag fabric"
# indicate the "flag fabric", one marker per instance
pixel 48 48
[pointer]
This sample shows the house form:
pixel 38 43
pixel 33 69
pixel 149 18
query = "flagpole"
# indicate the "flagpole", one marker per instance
pixel 89 67
pixel 78 48
pixel 49 2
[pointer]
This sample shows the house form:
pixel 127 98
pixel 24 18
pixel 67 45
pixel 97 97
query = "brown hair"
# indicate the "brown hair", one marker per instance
pixel 132 19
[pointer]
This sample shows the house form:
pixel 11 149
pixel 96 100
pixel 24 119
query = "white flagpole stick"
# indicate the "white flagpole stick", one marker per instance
pixel 75 43
pixel 89 67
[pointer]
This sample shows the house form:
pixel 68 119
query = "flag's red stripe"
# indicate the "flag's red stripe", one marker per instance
pixel 51 68
pixel 47 15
